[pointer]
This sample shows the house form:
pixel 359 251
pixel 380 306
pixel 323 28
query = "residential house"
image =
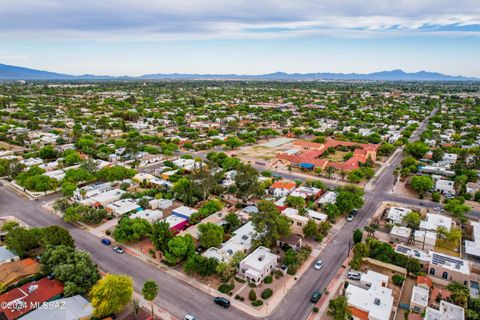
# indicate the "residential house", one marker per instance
pixel 433 221
pixel 400 234
pixel 316 216
pixel 449 268
pixel 282 188
pixel 184 212
pixel 329 197
pixel 123 206
pixel 104 198
pixel 472 247
pixel 72 308
pixel 395 215
pixel 446 311
pixel 160 203
pixel 445 187
pixel 148 214
pixel 425 238
pixel 257 265
pixel 373 300
pixel 7 256
pixel 176 223
pixel 12 272
pixel 22 300
pixel 419 299
pixel 91 190
pixel 298 222
pixel 309 193
pixel 422 256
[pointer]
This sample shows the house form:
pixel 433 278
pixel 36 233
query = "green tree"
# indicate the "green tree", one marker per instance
pixel 296 202
pixel 201 265
pixel 349 198
pixel 55 236
pixel 132 229
pixel 269 224
pixel 421 184
pixel 357 236
pixel 179 248
pixel 338 308
pixel 417 149
pixel 21 240
pixel 412 219
pixel 184 191
pixel 111 294
pixel 48 152
pixel 211 235
pixel 233 142
pixel 68 188
pixel 233 221
pixel 457 208
pixel 149 292
pixel 246 181
pixel 459 294
pixel 161 234
pixel 311 229
pixel 74 268
pixel 116 173
pixel 72 158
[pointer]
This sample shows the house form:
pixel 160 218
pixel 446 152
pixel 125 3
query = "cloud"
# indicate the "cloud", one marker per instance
pixel 126 20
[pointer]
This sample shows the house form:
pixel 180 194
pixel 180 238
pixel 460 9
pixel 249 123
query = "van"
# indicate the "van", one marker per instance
pixel 354 275
pixel 222 302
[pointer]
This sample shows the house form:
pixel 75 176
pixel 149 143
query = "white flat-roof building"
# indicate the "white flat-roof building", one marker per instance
pixel 184 212
pixel 317 216
pixel 472 248
pixel 445 186
pixel 257 265
pixel 104 198
pixel 400 234
pixel 376 301
pixel 426 239
pixel 122 206
pixel 449 268
pixel 91 190
pixel 447 311
pixel 395 215
pixel 433 221
pixel 419 299
pixel 326 198
pixel 148 214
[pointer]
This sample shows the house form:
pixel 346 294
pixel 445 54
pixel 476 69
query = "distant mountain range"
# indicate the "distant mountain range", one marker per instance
pixel 8 73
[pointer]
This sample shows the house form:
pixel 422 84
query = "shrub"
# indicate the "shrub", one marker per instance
pixel 267 293
pixel 315 309
pixel 252 295
pixel 268 279
pixel 397 279
pixel 226 287
pixel 257 303
pixel 240 280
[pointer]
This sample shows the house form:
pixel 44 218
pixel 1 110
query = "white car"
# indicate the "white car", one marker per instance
pixel 189 317
pixel 350 218
pixel 318 265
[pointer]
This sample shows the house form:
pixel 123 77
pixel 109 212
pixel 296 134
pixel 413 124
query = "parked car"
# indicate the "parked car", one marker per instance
pixel 118 250
pixel 316 295
pixel 353 275
pixel 223 302
pixel 354 212
pixel 189 317
pixel 318 265
pixel 350 218
pixel 106 241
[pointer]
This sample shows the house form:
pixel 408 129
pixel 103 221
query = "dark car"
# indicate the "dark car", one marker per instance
pixel 354 212
pixel 316 295
pixel 223 302
pixel 106 241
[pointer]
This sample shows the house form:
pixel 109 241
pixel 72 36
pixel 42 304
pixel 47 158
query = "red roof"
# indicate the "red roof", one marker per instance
pixel 424 280
pixel 282 184
pixel 25 296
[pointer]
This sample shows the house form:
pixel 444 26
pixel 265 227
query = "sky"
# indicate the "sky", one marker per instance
pixel 135 37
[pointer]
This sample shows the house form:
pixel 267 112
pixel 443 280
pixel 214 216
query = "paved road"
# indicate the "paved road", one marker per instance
pixel 179 298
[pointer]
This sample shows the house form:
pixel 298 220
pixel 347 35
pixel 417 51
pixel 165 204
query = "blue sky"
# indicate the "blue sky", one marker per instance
pixel 120 37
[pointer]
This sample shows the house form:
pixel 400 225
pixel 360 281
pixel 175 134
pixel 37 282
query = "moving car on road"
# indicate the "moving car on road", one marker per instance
pixel 189 317
pixel 106 241
pixel 223 302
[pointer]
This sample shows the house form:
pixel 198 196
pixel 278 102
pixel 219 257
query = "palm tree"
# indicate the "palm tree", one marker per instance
pixel 149 292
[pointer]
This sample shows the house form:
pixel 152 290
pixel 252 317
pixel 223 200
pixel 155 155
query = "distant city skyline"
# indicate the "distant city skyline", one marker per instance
pixel 126 37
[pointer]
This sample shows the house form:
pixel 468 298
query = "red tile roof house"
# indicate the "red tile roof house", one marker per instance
pixel 314 151
pixel 282 188
pixel 20 301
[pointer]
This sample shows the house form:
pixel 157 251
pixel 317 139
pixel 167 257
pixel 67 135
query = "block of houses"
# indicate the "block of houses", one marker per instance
pixel 76 307
pixel 7 256
pixel 282 188
pixel 372 301
pixel 446 310
pixel 395 215
pixel 148 214
pixel 176 223
pixel 184 212
pixel 123 206
pixel 445 186
pixel 257 265
pixel 419 299
pixel 242 240
pixel 400 234
pixel 449 268
pixel 12 272
pixel 23 299
pixel 298 221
